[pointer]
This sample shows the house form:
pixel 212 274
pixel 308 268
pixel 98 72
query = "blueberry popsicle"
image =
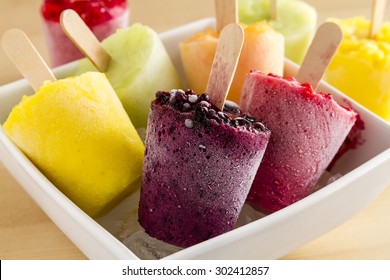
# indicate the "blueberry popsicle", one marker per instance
pixel 200 161
pixel 199 165
pixel 307 128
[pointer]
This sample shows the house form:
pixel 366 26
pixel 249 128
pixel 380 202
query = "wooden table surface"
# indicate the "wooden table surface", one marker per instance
pixel 27 233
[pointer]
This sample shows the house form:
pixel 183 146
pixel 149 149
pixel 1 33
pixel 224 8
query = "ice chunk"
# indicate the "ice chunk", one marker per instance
pixel 149 248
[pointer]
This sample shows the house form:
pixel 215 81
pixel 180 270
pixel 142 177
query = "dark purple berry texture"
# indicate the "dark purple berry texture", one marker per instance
pixel 198 168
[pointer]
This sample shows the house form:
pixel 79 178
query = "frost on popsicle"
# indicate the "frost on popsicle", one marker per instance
pixel 199 164
pixel 200 160
pixel 307 128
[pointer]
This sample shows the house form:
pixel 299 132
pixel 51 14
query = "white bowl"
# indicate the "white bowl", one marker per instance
pixel 365 175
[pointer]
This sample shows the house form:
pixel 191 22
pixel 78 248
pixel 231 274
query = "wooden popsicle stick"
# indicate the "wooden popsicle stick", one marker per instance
pixel 76 29
pixel 26 58
pixel 320 53
pixel 225 63
pixel 226 12
pixel 274 9
pixel 377 15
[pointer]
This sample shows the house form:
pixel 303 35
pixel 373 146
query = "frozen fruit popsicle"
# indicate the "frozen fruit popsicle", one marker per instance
pixel 263 50
pixel 199 160
pixel 361 67
pixel 76 132
pixel 103 17
pixel 199 165
pixel 296 20
pixel 139 66
pixel 308 127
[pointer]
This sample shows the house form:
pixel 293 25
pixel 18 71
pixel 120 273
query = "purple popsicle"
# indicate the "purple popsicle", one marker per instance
pixel 307 128
pixel 198 168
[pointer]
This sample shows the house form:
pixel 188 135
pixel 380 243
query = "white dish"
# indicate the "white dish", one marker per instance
pixel 366 174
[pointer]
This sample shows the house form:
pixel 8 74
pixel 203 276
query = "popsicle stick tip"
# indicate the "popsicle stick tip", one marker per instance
pixel 235 29
pixel 10 31
pixel 377 15
pixel 274 9
pixel 333 28
pixel 66 13
pixel 26 58
pixel 10 35
pixel 84 39
pixel 320 53
pixel 67 17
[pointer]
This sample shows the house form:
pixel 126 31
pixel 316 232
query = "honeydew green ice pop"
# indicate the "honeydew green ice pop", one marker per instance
pixel 296 20
pixel 138 65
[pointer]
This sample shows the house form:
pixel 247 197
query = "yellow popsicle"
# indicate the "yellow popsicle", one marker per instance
pixel 361 67
pixel 78 134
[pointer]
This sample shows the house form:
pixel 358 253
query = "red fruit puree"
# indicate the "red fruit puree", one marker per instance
pixel 102 17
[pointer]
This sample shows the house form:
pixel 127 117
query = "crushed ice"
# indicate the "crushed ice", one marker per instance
pixel 122 222
pixel 149 248
pixel 189 123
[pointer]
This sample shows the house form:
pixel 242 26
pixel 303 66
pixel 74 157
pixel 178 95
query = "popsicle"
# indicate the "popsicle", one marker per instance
pixel 137 66
pixel 295 19
pixel 308 127
pixel 361 67
pixel 200 161
pixel 103 17
pixel 263 50
pixel 75 131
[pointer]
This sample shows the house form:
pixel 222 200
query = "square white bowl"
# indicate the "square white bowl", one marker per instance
pixel 365 175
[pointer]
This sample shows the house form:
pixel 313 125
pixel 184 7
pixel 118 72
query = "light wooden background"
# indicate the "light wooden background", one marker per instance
pixel 27 233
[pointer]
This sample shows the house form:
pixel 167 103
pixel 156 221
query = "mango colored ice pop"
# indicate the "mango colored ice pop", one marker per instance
pixel 263 50
pixel 361 67
pixel 296 20
pixel 77 133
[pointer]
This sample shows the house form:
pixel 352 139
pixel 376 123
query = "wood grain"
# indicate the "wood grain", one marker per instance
pixel 80 34
pixel 325 43
pixel 378 13
pixel 225 63
pixel 26 58
pixel 27 233
pixel 226 12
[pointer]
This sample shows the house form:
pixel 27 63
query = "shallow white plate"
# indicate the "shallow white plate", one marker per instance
pixel 365 173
